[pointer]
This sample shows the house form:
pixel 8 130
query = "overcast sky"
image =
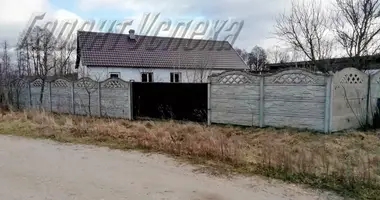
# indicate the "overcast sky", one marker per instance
pixel 258 15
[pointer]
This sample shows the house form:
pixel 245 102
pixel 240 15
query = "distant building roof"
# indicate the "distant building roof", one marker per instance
pixel 368 62
pixel 121 50
pixel 71 77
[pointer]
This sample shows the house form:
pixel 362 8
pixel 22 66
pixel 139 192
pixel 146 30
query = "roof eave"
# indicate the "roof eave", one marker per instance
pixel 153 67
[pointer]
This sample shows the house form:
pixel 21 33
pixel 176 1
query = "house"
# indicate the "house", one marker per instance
pixel 153 59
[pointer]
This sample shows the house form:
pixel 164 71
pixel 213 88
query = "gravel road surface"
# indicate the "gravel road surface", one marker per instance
pixel 46 170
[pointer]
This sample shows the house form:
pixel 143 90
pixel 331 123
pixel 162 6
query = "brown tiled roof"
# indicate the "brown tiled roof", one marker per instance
pixel 118 50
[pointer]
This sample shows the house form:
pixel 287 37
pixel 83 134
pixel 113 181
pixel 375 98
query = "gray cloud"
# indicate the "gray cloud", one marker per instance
pixel 258 15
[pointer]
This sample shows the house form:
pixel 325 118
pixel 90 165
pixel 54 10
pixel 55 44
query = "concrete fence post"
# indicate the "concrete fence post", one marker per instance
pixel 130 100
pixel 368 102
pixel 30 94
pixel 209 102
pixel 72 98
pixel 50 99
pixel 262 105
pixel 18 94
pixel 99 99
pixel 328 102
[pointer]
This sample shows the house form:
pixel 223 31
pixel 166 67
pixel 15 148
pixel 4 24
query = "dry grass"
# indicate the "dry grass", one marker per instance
pixel 348 163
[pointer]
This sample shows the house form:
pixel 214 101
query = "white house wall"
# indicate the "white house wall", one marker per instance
pixel 159 75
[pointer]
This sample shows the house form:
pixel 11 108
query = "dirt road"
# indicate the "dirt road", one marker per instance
pixel 45 170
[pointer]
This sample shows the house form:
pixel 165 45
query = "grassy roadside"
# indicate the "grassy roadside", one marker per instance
pixel 348 164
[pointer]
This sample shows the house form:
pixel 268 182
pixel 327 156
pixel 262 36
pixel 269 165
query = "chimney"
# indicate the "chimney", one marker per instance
pixel 132 35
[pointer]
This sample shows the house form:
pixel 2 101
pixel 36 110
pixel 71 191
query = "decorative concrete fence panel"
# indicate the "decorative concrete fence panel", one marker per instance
pixel 61 96
pixel 24 95
pixel 115 98
pixel 21 94
pixel 110 98
pixel 350 94
pixel 35 94
pixel 86 97
pixel 295 98
pixel 235 99
pixel 375 95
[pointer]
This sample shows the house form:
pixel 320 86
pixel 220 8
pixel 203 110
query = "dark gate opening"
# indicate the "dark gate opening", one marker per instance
pixel 179 101
pixel 376 117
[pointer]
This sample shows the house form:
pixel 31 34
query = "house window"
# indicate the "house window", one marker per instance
pixel 175 77
pixel 114 75
pixel 147 77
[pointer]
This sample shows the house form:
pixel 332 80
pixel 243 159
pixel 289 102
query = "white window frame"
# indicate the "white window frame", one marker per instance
pixel 111 73
pixel 147 77
pixel 179 77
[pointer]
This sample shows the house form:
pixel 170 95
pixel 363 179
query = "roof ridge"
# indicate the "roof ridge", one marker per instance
pixel 163 37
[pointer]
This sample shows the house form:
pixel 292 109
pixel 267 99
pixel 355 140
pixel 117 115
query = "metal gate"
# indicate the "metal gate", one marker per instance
pixel 179 101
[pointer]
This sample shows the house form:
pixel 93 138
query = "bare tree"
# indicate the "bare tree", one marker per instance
pixel 196 69
pixel 5 71
pixel 278 55
pixel 65 56
pixel 357 28
pixel 42 45
pixel 23 56
pixel 20 62
pixel 10 79
pixel 42 55
pixel 90 85
pixel 257 59
pixel 5 58
pixel 306 29
pixel 243 54
pixel 203 68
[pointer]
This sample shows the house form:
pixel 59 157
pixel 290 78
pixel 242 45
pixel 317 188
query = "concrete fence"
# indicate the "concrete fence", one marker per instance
pixel 109 98
pixel 292 98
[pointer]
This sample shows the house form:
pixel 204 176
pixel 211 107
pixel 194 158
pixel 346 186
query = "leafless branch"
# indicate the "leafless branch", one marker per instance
pixel 357 29
pixel 306 30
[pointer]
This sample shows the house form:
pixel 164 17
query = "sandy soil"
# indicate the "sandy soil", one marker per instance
pixel 45 170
